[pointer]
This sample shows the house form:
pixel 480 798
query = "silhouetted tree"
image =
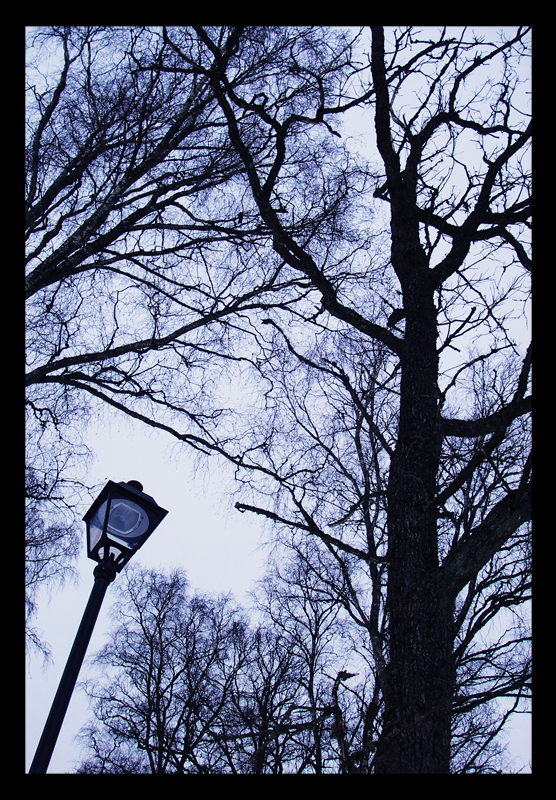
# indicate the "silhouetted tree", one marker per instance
pixel 165 678
pixel 51 535
pixel 142 256
pixel 402 450
pixel 314 632
pixel 187 685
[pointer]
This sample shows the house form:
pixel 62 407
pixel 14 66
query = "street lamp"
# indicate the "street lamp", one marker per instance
pixel 119 522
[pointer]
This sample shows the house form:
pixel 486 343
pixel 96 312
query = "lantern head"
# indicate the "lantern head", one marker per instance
pixel 120 521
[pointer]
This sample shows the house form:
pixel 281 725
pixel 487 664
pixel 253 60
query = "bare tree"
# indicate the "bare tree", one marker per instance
pixel 187 685
pixel 52 538
pixel 165 678
pixel 264 707
pixel 439 229
pixel 143 251
pixel 297 607
pixel 367 312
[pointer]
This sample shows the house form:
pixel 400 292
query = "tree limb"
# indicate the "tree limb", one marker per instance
pixel 476 549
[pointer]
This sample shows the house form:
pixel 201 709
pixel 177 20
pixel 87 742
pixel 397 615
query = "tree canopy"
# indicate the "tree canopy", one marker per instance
pixel 306 251
pixel 187 685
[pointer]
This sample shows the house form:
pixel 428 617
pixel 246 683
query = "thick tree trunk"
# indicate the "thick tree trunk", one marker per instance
pixel 416 733
pixel 420 682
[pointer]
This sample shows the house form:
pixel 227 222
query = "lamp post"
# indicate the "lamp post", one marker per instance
pixel 119 522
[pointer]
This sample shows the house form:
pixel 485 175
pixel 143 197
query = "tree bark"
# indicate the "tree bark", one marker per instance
pixel 420 677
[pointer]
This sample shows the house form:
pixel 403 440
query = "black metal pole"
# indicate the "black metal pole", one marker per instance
pixel 104 575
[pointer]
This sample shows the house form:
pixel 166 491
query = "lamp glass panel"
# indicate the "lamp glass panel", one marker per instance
pixel 127 522
pixel 126 518
pixel 96 525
